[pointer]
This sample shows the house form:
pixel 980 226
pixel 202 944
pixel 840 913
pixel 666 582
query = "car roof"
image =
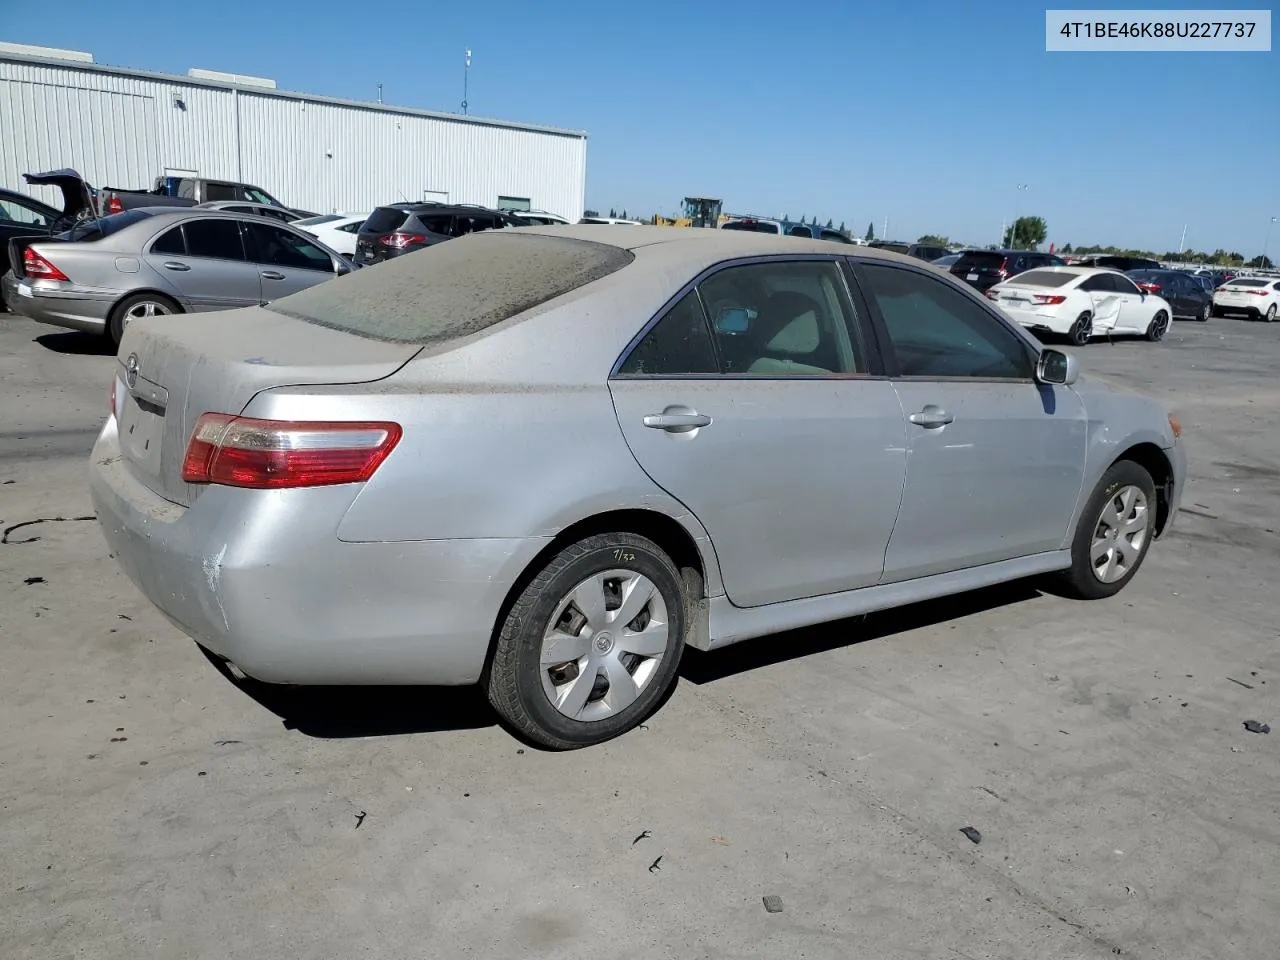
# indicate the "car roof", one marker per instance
pixel 429 206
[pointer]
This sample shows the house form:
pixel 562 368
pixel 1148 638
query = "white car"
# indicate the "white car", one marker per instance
pixel 541 217
pixel 1082 302
pixel 1259 297
pixel 616 221
pixel 337 231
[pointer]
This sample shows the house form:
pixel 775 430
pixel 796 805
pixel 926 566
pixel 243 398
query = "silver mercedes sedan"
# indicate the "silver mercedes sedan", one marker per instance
pixel 151 261
pixel 546 459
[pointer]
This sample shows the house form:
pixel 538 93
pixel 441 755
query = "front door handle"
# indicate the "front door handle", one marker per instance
pixel 676 422
pixel 175 265
pixel 271 275
pixel 931 416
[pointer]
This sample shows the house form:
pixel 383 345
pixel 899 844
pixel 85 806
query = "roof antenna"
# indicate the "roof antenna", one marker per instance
pixel 466 76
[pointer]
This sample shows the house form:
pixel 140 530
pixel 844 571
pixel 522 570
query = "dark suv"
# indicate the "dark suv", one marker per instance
pixel 401 228
pixel 1116 262
pixel 983 269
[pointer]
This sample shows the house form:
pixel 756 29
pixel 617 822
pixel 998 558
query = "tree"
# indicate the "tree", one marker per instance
pixel 933 240
pixel 1066 248
pixel 1261 262
pixel 813 222
pixel 802 219
pixel 624 214
pixel 1026 233
pixel 871 232
pixel 842 229
pixel 830 225
pixel 591 213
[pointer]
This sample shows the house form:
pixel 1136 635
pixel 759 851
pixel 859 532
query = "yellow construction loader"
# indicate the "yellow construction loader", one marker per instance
pixel 698 212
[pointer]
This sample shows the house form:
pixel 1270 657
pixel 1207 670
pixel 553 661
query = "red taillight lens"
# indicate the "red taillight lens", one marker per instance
pixel 270 454
pixel 1048 299
pixel 991 293
pixel 1149 287
pixel 401 240
pixel 1260 293
pixel 114 205
pixel 34 265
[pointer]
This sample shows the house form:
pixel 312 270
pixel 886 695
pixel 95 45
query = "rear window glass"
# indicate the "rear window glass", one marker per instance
pixel 385 219
pixel 1248 283
pixel 99 227
pixel 752 226
pixel 984 259
pixel 438 224
pixel 454 289
pixel 1043 278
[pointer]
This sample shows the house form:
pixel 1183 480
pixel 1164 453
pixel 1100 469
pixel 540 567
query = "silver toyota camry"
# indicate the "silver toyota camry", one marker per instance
pixel 107 271
pixel 546 459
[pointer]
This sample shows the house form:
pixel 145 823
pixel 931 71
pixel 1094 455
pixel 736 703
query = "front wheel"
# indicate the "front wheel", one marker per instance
pixel 1205 313
pixel 1158 327
pixel 1113 534
pixel 1271 314
pixel 134 308
pixel 592 644
pixel 1081 330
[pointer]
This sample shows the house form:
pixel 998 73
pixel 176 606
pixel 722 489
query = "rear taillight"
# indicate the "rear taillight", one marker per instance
pixel 270 454
pixel 1260 293
pixel 1149 287
pixel 399 241
pixel 1003 271
pixel 34 265
pixel 114 205
pixel 991 293
pixel 1048 299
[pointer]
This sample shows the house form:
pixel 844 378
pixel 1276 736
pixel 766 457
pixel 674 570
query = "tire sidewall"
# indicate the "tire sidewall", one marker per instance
pixel 625 552
pixel 115 325
pixel 1121 474
pixel 1270 315
pixel 1156 332
pixel 1083 321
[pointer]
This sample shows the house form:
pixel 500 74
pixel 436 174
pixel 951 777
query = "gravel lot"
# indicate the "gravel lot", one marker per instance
pixel 149 807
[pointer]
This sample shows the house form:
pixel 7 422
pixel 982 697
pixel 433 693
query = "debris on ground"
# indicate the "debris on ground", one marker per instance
pixel 124 616
pixel 33 580
pixel 119 739
pixel 653 867
pixel 360 818
pixel 773 903
pixel 1254 726
pixel 644 835
pixel 4 538
pixel 225 743
pixel 720 840
pixel 972 834
pixel 1247 686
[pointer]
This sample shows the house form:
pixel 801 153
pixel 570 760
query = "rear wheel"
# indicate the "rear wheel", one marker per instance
pixel 1271 314
pixel 592 644
pixel 1158 327
pixel 1081 330
pixel 1206 313
pixel 135 307
pixel 1113 534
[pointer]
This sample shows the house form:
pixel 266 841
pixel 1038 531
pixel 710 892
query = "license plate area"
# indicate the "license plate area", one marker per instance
pixel 141 428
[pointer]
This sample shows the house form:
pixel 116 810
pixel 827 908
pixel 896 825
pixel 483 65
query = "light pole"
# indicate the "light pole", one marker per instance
pixel 466 76
pixel 1017 211
pixel 1266 240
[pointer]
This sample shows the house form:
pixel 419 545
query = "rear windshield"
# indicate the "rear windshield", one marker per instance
pixel 96 228
pixel 1248 283
pixel 1043 278
pixel 384 220
pixel 984 259
pixel 454 289
pixel 753 226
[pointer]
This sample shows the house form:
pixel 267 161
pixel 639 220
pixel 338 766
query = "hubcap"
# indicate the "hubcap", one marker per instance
pixel 1119 535
pixel 1081 332
pixel 146 308
pixel 603 644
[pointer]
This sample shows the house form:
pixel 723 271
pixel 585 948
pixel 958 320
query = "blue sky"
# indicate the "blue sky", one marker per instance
pixel 928 113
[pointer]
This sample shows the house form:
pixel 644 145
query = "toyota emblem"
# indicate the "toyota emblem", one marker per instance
pixel 131 371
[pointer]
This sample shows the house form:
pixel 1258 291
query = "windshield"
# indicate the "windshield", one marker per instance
pixel 454 289
pixel 1043 278
pixel 753 226
pixel 1247 282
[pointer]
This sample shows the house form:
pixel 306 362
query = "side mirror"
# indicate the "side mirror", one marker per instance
pixel 1057 367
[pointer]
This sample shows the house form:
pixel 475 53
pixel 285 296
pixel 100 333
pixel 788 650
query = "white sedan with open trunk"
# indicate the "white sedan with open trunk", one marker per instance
pixel 1082 302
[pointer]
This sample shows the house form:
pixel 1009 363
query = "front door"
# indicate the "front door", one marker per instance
pixel 996 460
pixel 1135 311
pixel 749 402
pixel 287 261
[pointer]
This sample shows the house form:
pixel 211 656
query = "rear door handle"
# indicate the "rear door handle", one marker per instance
pixel 676 422
pixel 175 265
pixel 931 417
pixel 271 275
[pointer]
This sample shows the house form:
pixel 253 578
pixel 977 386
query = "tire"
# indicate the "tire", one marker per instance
pixel 1206 313
pixel 1271 314
pixel 1115 564
pixel 1081 330
pixel 521 681
pixel 1158 327
pixel 137 305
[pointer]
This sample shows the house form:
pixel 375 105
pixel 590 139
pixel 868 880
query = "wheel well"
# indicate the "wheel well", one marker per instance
pixel 151 293
pixel 1152 459
pixel 668 534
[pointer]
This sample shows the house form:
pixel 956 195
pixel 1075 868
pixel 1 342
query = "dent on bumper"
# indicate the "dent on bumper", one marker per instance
pixel 262 580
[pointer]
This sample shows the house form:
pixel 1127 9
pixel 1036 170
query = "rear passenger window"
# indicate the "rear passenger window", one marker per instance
pixel 219 239
pixel 170 244
pixel 679 343
pixel 781 318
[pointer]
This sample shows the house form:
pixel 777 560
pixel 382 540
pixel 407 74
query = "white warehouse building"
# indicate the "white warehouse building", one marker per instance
pixel 124 128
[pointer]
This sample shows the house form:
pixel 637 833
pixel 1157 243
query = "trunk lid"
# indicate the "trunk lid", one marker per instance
pixel 77 195
pixel 174 368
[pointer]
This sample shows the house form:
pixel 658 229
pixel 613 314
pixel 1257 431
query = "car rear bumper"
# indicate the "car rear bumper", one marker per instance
pixel 260 578
pixel 1246 309
pixel 1041 322
pixel 75 307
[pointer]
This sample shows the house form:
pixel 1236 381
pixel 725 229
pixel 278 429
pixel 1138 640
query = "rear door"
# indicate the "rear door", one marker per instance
pixel 996 460
pixel 1106 302
pixel 287 261
pixel 754 402
pixel 204 259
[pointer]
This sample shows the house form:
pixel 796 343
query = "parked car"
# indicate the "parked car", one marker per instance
pixel 1118 262
pixel 947 262
pixel 338 231
pixel 181 261
pixel 282 214
pixel 24 216
pixel 892 245
pixel 547 461
pixel 1204 280
pixel 188 192
pixel 1082 302
pixel 1256 297
pixel 401 228
pixel 1184 294
pixel 540 217
pixel 927 251
pixel 790 228
pixel 611 221
pixel 982 269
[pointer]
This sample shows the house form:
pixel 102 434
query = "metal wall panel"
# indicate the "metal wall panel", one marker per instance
pixel 123 128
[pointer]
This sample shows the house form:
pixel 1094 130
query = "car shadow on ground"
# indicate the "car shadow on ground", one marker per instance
pixel 76 343
pixel 699 667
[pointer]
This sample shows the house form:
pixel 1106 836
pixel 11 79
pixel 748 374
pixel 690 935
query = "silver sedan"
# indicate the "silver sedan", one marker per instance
pixel 157 260
pixel 547 459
